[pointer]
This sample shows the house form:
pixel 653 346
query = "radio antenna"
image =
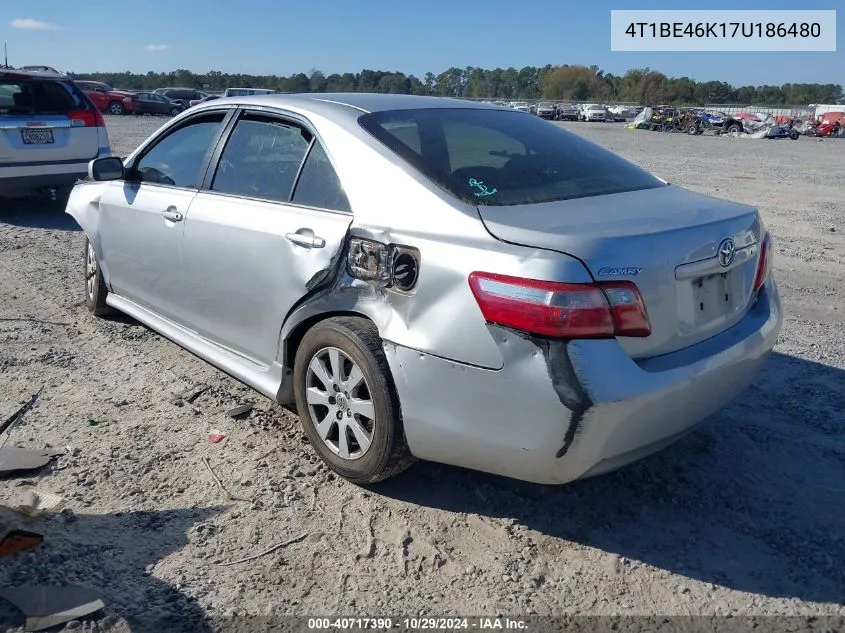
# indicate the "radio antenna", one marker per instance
pixel 5 55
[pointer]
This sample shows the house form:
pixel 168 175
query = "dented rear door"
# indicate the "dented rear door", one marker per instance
pixel 246 270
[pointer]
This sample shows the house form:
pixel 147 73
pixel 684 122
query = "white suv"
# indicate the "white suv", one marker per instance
pixel 595 113
pixel 247 92
pixel 49 131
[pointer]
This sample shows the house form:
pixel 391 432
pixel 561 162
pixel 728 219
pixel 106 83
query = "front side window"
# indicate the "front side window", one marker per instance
pixel 176 159
pixel 504 158
pixel 261 158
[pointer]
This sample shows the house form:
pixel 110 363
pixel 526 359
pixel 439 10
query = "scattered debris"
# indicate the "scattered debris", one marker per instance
pixel 36 502
pixel 93 422
pixel 46 607
pixel 240 410
pixel 278 546
pixel 193 394
pixel 17 415
pixel 220 483
pixel 18 541
pixel 13 458
pixel 216 436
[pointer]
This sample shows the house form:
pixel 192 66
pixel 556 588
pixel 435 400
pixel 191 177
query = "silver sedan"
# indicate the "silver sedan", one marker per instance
pixel 434 279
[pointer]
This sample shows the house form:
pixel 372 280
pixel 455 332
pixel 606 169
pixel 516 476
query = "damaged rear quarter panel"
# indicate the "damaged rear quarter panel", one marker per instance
pixel 440 316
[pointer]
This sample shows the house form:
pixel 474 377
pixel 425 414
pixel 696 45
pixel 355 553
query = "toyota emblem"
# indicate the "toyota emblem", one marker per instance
pixel 727 252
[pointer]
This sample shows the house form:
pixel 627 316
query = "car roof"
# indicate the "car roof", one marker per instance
pixel 32 73
pixel 346 104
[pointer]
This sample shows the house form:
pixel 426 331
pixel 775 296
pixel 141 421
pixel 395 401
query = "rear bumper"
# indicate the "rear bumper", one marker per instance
pixel 561 411
pixel 21 181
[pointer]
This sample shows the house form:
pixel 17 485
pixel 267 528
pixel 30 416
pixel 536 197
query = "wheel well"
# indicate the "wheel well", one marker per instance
pixel 291 343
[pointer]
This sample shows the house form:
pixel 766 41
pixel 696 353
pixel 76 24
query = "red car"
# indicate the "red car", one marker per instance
pixel 109 100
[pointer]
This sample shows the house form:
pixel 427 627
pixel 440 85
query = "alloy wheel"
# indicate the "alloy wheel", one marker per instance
pixel 91 272
pixel 340 403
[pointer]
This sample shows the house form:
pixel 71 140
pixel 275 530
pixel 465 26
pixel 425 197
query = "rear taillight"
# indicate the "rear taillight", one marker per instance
pixel 86 118
pixel 765 263
pixel 561 310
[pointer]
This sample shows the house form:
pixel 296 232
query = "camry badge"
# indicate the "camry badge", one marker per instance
pixel 607 272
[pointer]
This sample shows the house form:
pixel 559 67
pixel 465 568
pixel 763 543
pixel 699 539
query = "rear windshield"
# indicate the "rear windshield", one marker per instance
pixel 503 157
pixel 24 96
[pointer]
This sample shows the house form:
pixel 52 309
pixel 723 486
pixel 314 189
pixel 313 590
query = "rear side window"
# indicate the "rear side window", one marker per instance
pixel 261 158
pixel 503 157
pixel 25 97
pixel 318 184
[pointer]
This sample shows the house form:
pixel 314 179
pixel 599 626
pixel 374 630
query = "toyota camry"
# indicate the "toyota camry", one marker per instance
pixel 434 279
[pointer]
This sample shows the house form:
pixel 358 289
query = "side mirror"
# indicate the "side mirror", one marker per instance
pixel 110 168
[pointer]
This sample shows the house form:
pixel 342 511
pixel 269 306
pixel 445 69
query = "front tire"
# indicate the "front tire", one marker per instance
pixel 347 403
pixel 95 286
pixel 116 108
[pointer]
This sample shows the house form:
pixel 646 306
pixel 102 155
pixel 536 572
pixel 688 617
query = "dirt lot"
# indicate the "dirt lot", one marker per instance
pixel 744 517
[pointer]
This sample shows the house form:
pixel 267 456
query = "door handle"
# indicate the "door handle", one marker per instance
pixel 172 214
pixel 306 238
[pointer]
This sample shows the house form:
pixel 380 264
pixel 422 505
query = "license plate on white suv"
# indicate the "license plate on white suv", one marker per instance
pixel 37 136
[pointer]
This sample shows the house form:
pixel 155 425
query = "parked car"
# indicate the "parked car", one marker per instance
pixel 246 92
pixel 151 103
pixel 203 100
pixel 620 113
pixel 49 131
pixel 522 106
pixel 183 96
pixel 546 110
pixel 594 113
pixel 567 112
pixel 107 99
pixel 573 347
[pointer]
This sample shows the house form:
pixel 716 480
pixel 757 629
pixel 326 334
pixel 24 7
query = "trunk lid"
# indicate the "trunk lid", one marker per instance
pixel 666 240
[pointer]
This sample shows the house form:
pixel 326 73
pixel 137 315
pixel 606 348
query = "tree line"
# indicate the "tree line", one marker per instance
pixel 575 83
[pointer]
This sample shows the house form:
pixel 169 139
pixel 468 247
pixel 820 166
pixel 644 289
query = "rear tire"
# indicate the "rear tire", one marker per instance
pixel 735 128
pixel 116 108
pixel 175 111
pixel 95 286
pixel 335 413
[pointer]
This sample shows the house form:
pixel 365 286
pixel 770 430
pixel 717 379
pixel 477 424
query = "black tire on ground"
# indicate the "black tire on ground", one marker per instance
pixel 96 292
pixel 692 129
pixel 793 135
pixel 735 127
pixel 116 108
pixel 175 110
pixel 358 338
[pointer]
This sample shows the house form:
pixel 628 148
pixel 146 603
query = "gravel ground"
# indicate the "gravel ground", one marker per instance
pixel 745 517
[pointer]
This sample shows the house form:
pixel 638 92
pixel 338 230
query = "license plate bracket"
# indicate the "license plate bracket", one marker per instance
pixel 712 296
pixel 37 136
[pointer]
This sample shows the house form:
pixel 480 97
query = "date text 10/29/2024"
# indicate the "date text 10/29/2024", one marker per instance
pixel 418 623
